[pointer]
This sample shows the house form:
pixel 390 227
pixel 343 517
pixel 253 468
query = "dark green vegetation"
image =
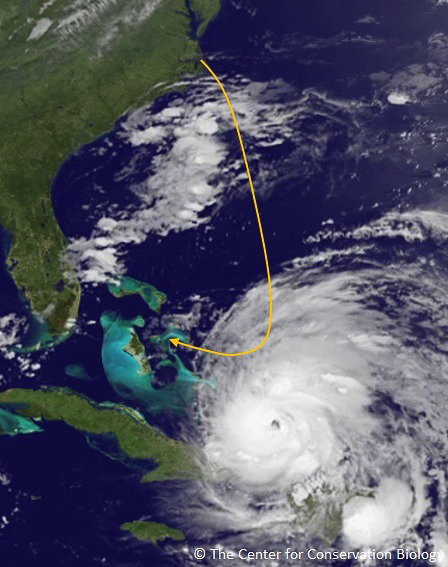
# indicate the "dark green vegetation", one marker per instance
pixel 62 90
pixel 129 286
pixel 152 531
pixel 135 436
pixel 206 11
pixel 137 350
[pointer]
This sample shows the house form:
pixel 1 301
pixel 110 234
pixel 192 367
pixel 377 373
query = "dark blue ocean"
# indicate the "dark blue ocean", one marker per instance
pixel 71 498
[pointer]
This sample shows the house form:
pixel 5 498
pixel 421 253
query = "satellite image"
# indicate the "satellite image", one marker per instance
pixel 223 283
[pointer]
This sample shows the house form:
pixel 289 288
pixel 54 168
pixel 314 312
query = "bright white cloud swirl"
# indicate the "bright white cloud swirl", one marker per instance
pixel 342 414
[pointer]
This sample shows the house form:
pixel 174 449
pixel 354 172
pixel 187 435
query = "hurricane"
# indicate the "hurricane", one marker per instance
pixel 336 430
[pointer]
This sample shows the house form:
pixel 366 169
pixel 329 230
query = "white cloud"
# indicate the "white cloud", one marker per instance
pixel 95 263
pixel 41 27
pixel 10 327
pixel 375 520
pixel 413 226
pixel 398 98
pixel 195 162
pixel 46 5
pixel 83 15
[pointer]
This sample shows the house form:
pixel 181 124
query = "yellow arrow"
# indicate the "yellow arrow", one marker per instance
pixel 176 341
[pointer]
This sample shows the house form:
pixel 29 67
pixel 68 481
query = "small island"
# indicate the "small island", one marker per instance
pixel 130 286
pixel 152 531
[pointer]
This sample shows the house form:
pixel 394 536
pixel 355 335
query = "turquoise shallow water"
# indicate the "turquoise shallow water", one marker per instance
pixel 130 286
pixel 129 372
pixel 77 371
pixel 14 424
pixel 307 46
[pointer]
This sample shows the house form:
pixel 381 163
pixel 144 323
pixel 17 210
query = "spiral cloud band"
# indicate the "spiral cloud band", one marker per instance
pixel 333 426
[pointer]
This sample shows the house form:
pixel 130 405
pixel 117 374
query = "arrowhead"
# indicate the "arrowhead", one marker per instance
pixel 175 341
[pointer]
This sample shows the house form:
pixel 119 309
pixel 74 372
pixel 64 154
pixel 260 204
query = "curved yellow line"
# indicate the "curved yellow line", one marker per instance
pixel 268 332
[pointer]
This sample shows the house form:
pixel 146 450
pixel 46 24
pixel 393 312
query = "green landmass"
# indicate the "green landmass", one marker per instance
pixel 134 435
pixel 62 88
pixel 152 531
pixel 136 349
pixel 206 10
pixel 129 286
